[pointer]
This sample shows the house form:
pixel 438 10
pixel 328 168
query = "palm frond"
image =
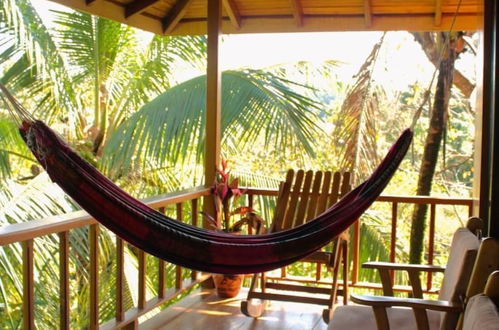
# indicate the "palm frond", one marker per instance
pixel 35 200
pixel 11 146
pixel 355 129
pixel 31 39
pixel 170 129
pixel 150 73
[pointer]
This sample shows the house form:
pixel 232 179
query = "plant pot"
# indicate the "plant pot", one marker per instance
pixel 228 285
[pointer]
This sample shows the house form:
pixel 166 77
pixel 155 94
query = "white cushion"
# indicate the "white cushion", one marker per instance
pixel 481 314
pixel 462 242
pixel 356 317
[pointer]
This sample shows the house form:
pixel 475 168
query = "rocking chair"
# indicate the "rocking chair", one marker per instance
pixel 302 197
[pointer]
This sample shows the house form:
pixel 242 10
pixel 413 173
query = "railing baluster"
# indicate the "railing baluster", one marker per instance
pixel 94 276
pixel 28 285
pixel 161 271
pixel 178 269
pixel 64 279
pixel 251 201
pixel 120 261
pixel 142 279
pixel 431 244
pixel 194 218
pixel 355 251
pixel 393 237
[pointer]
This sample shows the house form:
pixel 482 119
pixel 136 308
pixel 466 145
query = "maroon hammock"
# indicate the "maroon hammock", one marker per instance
pixel 193 247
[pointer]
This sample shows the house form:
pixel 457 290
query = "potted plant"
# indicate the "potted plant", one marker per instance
pixel 226 192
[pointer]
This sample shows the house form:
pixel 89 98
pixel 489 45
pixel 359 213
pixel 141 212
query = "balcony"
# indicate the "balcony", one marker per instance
pixel 135 300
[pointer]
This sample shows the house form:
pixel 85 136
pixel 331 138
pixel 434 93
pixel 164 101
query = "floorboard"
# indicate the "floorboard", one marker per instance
pixel 204 310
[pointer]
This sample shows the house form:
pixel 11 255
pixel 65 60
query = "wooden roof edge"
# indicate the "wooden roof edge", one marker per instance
pixel 469 22
pixel 281 24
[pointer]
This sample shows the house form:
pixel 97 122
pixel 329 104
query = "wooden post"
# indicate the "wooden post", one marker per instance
pixel 213 95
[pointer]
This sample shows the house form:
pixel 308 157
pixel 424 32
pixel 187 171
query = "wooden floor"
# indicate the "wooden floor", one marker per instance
pixel 204 310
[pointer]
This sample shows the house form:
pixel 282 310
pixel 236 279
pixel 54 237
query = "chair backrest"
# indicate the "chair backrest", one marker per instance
pixel 304 195
pixel 482 310
pixel 486 262
pixel 462 255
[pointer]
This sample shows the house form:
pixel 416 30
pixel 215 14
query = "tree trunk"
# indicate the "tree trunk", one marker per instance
pixel 438 122
pixel 430 47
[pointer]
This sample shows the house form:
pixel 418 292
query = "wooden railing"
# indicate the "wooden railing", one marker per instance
pixel 395 202
pixel 27 232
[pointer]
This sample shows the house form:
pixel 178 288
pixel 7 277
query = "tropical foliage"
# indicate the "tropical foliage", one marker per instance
pixel 112 93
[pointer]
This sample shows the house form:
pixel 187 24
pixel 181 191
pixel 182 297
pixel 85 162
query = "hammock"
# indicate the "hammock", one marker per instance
pixel 186 245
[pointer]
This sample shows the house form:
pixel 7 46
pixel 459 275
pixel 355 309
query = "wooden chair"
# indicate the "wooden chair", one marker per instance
pixel 464 276
pixel 303 196
pixel 482 310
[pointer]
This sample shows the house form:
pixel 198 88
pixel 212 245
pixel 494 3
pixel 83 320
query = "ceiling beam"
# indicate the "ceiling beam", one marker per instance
pixel 438 12
pixel 175 15
pixel 233 12
pixel 297 12
pixel 138 6
pixel 89 2
pixel 368 16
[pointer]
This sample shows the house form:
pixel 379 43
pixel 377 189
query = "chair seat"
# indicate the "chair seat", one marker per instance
pixel 481 314
pixel 356 317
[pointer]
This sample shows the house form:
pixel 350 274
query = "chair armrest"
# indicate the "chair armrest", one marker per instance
pixel 407 267
pixel 419 307
pixel 411 269
pixel 382 301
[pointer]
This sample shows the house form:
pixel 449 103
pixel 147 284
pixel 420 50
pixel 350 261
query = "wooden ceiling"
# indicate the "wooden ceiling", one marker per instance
pixel 182 17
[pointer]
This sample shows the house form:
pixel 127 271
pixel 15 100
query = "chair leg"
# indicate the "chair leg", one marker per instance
pixel 337 255
pixel 254 307
pixel 344 258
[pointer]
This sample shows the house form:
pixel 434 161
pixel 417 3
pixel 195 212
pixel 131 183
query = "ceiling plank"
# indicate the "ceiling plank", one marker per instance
pixel 368 16
pixel 175 15
pixel 233 12
pixel 438 12
pixel 297 12
pixel 138 6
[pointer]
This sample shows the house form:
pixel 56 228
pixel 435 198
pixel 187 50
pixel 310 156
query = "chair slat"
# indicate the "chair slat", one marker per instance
pixel 335 189
pixel 326 184
pixel 304 199
pixel 293 200
pixel 314 197
pixel 282 202
pixel 346 185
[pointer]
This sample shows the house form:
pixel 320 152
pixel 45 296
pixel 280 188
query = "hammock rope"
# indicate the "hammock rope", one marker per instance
pixel 186 245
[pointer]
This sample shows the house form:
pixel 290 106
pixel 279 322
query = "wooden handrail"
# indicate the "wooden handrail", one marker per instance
pixel 382 198
pixel 55 224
